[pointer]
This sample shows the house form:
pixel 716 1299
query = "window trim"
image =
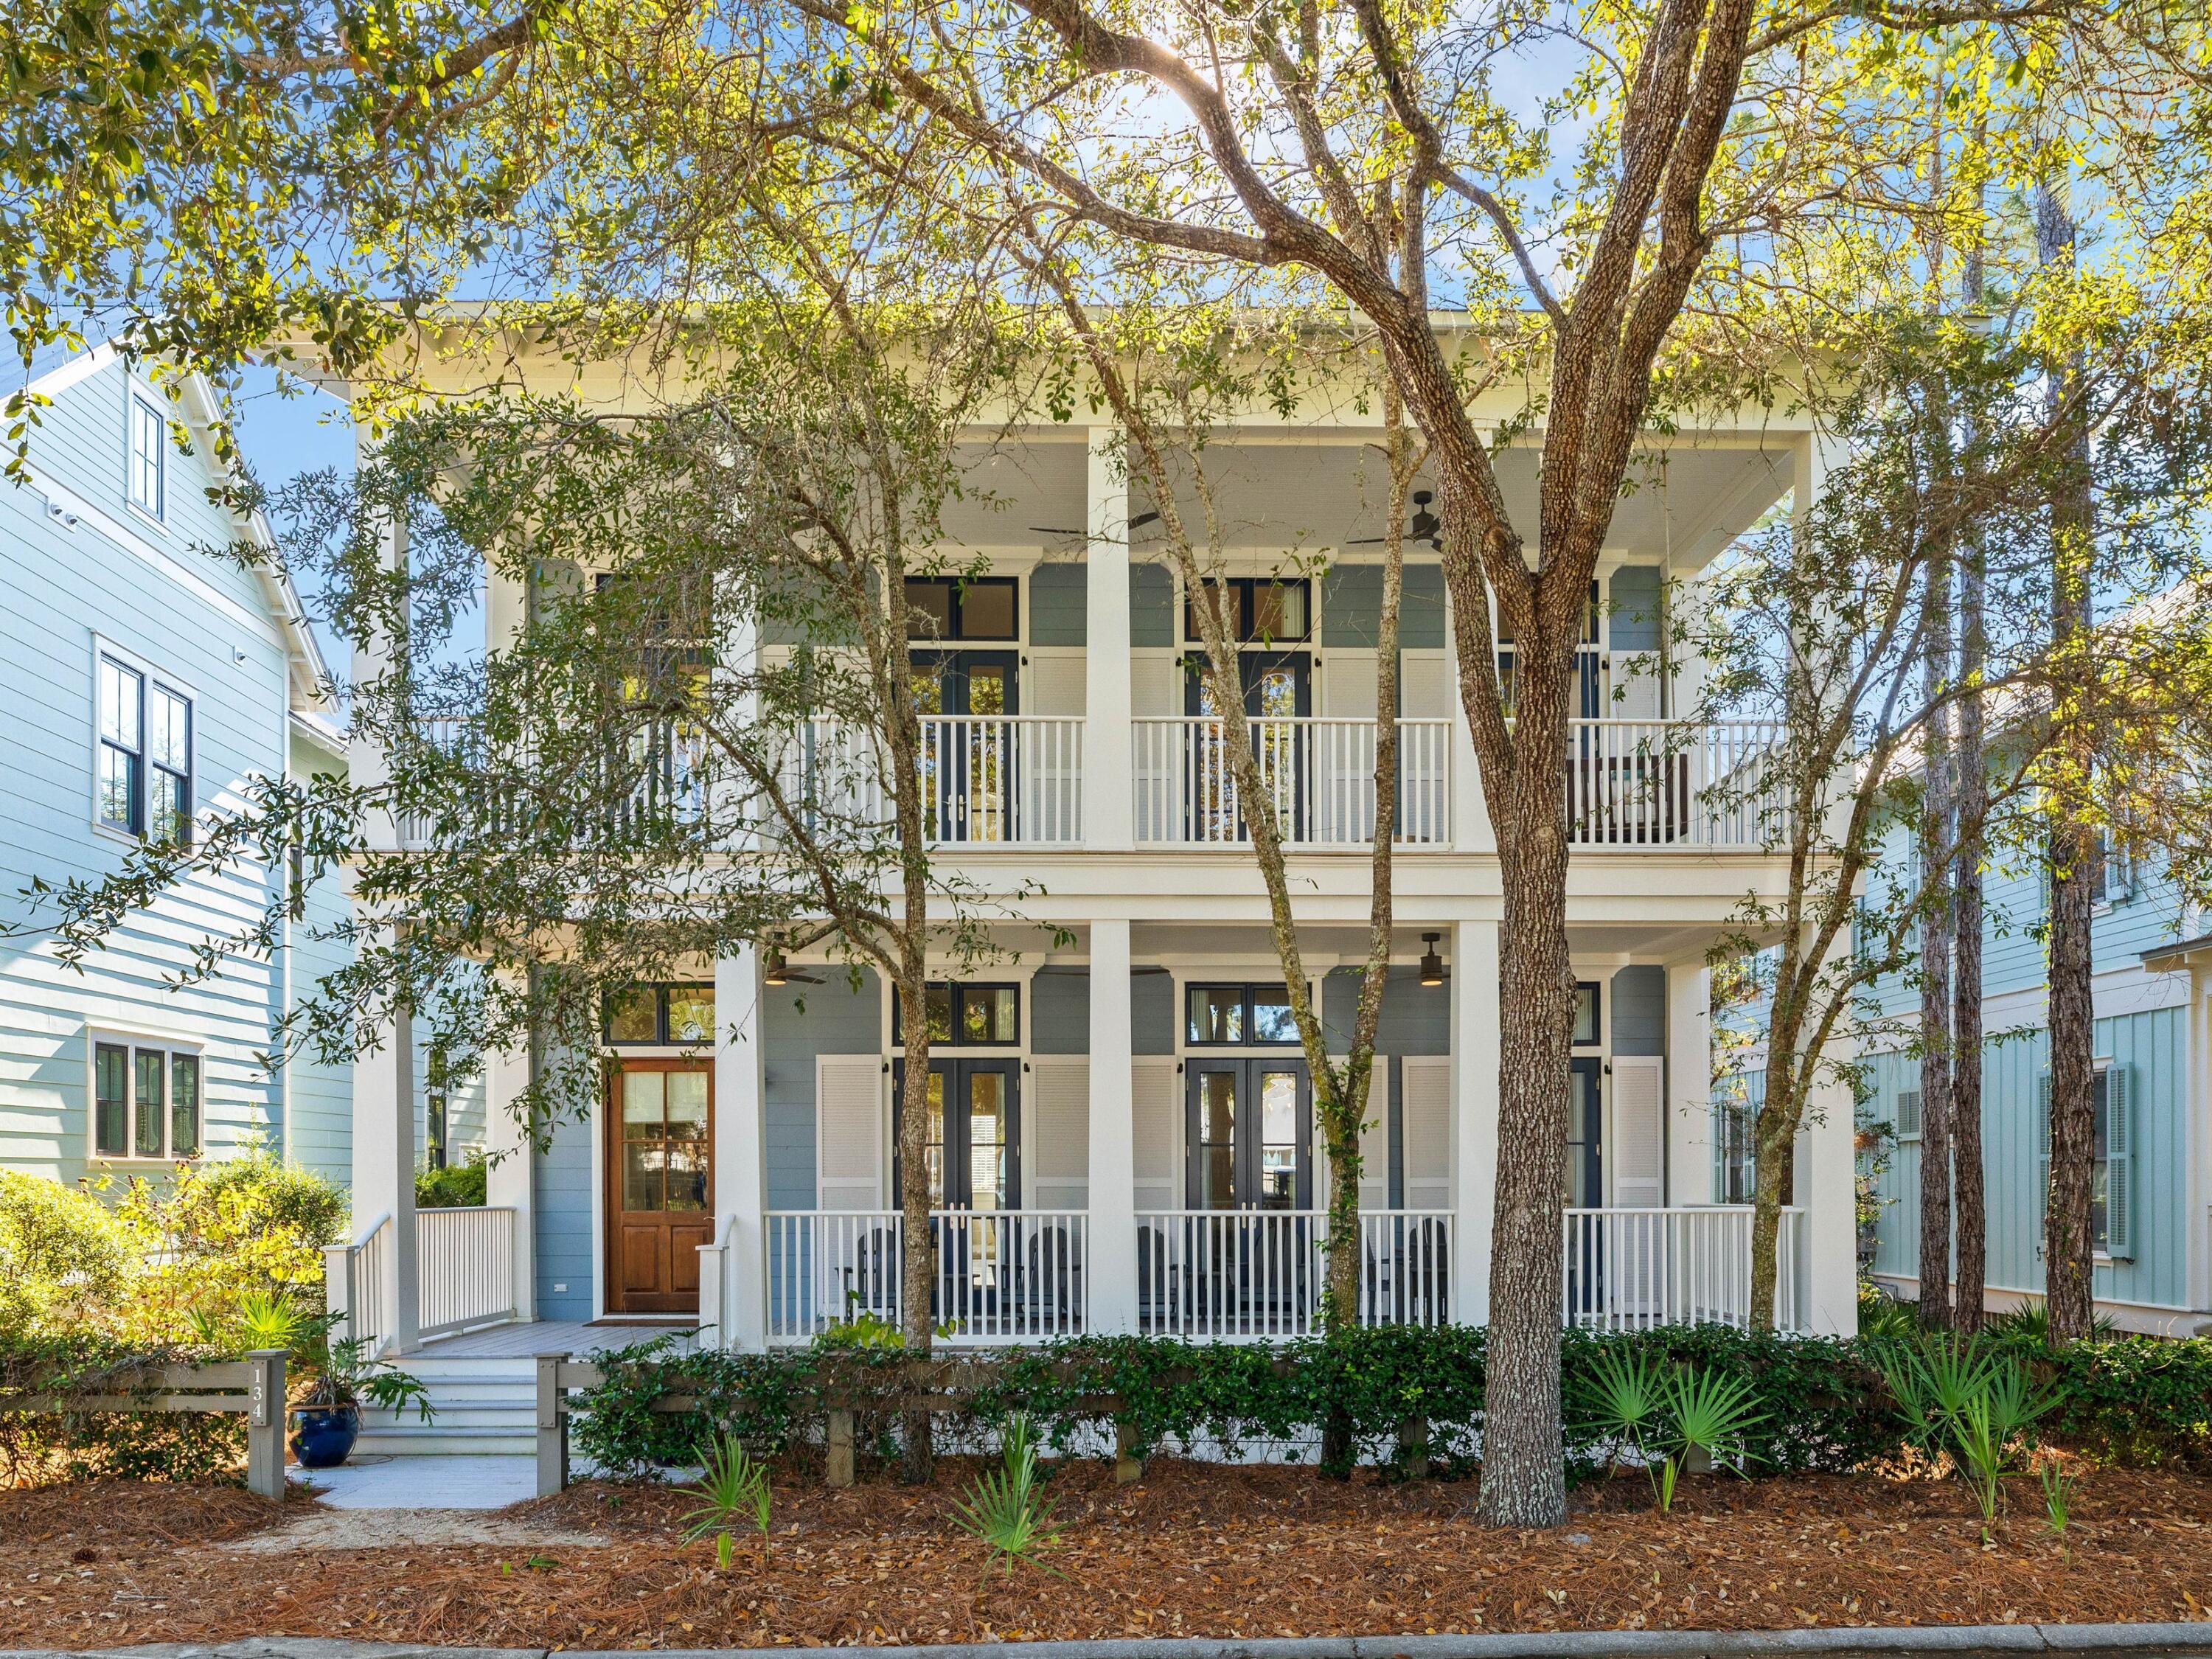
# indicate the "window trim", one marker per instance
pixel 1245 587
pixel 955 602
pixel 138 401
pixel 132 1046
pixel 150 679
pixel 1245 989
pixel 953 987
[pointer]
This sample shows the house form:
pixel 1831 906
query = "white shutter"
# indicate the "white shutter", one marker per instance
pixel 1156 1113
pixel 1348 685
pixel 848 1129
pixel 2119 1103
pixel 1426 691
pixel 1425 1105
pixel 1909 1115
pixel 1155 690
pixel 1059 1132
pixel 1639 1133
pixel 1056 682
pixel 1155 683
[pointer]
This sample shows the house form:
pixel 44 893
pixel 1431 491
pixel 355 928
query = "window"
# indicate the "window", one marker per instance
pixel 143 782
pixel 1228 1015
pixel 146 1101
pixel 2112 876
pixel 1264 610
pixel 968 1016
pixel 1586 1029
pixel 1735 1147
pixel 1908 1114
pixel 951 608
pixel 661 1015
pixel 2111 1176
pixel 435 1096
pixel 149 456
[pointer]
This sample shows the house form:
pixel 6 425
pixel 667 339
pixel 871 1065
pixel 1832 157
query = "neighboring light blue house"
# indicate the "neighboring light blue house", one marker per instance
pixel 145 679
pixel 2153 1046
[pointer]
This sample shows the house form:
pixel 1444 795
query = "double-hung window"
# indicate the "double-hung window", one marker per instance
pixel 143 785
pixel 148 460
pixel 146 1100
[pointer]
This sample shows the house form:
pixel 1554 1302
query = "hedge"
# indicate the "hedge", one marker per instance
pixel 83 1445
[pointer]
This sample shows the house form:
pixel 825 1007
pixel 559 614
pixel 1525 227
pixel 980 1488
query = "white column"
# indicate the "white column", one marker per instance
pixel 1827 1190
pixel 1112 1166
pixel 740 1151
pixel 1689 1083
pixel 1475 1114
pixel 508 1169
pixel 1109 818
pixel 383 1166
pixel 1471 830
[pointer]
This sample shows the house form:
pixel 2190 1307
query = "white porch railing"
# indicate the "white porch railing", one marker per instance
pixel 463 1267
pixel 1013 780
pixel 354 1288
pixel 1002 1275
pixel 1320 776
pixel 1628 1269
pixel 1674 783
pixel 665 767
pixel 1231 1275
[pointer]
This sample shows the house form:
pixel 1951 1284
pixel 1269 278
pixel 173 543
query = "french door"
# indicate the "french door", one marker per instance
pixel 1583 1178
pixel 1278 689
pixel 1248 1132
pixel 969 764
pixel 972 1145
pixel 660 1185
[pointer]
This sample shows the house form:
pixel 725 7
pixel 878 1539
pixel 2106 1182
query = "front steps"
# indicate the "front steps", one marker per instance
pixel 481 1404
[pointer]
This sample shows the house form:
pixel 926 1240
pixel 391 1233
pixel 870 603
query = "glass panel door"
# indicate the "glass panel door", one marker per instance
pixel 1249 1129
pixel 1585 1167
pixel 1281 1143
pixel 660 1186
pixel 1213 1143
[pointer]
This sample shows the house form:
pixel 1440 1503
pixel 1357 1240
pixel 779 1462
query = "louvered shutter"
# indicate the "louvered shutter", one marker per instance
pixel 848 1122
pixel 1155 1114
pixel 1375 1140
pixel 2042 1159
pixel 2117 1097
pixel 1425 1104
pixel 1059 1132
pixel 1909 1115
pixel 1639 1141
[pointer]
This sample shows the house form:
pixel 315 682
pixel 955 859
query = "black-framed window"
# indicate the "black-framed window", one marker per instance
pixel 1269 610
pixel 148 460
pixel 1230 1015
pixel 146 1101
pixel 144 786
pixel 647 1016
pixel 963 608
pixel 968 1016
pixel 1589 1033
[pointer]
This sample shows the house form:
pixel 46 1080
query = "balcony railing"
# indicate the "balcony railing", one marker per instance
pixel 1007 779
pixel 1629 1270
pixel 1002 1276
pixel 1231 1275
pixel 655 784
pixel 1320 777
pixel 1675 783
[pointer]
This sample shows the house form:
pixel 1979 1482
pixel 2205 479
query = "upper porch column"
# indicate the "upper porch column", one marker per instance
pixel 509 1183
pixel 1474 1046
pixel 1109 763
pixel 384 1076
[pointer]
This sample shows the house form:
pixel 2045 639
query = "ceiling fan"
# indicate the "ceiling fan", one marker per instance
pixel 774 970
pixel 1137 522
pixel 1425 526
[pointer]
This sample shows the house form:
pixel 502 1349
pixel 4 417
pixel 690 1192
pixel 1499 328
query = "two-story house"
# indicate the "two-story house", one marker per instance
pixel 1127 1141
pixel 2152 1186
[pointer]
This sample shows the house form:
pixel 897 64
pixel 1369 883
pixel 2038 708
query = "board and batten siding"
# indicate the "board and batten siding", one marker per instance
pixel 2153 1046
pixel 145 587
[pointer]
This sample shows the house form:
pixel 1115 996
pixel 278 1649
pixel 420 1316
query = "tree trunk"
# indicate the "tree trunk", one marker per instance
pixel 1935 837
pixel 2066 1227
pixel 918 1257
pixel 1524 1476
pixel 1971 1221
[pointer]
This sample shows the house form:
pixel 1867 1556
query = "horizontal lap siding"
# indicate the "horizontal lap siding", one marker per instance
pixel 562 1190
pixel 803 1021
pixel 177 609
pixel 318 1097
pixel 1415 1019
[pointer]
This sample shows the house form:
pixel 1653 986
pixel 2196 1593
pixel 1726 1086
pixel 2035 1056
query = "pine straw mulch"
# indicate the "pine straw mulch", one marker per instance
pixel 1192 1550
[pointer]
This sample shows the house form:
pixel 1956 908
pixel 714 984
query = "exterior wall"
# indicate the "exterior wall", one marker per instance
pixel 563 1219
pixel 144 586
pixel 803 1022
pixel 318 1095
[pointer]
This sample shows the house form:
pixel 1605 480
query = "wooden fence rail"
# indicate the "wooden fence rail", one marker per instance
pixel 253 1386
pixel 943 1390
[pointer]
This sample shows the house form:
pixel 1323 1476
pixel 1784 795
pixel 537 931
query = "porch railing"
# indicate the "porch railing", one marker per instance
pixel 463 1267
pixel 1628 1269
pixel 1319 776
pixel 1675 783
pixel 354 1287
pixel 1231 1275
pixel 996 779
pixel 1002 1275
pixel 660 775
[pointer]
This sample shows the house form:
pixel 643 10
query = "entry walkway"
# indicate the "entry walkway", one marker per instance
pixel 424 1483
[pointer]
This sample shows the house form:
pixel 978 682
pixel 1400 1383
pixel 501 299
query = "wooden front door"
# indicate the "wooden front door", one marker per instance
pixel 660 1184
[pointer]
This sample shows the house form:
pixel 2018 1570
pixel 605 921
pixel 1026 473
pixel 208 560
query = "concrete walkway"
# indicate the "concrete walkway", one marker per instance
pixel 2071 1641
pixel 424 1483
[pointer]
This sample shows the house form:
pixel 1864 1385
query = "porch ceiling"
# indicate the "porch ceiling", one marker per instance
pixel 1276 493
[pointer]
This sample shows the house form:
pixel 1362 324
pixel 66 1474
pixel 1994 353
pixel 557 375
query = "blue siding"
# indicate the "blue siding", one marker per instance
pixel 1640 1011
pixel 1633 598
pixel 1151 605
pixel 1059 1012
pixel 1059 604
pixel 802 1022
pixel 201 620
pixel 318 1097
pixel 1151 1013
pixel 1352 607
pixel 560 1176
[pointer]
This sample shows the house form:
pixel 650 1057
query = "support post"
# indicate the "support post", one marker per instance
pixel 1827 1187
pixel 509 1181
pixel 1109 763
pixel 1111 1276
pixel 837 1468
pixel 383 1171
pixel 265 1417
pixel 552 1426
pixel 740 1156
pixel 1475 1114
pixel 1690 1151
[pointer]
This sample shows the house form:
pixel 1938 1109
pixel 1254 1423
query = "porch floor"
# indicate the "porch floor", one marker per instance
pixel 524 1340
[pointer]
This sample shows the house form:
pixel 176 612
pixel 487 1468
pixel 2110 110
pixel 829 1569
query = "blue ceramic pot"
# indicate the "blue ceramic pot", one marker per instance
pixel 323 1437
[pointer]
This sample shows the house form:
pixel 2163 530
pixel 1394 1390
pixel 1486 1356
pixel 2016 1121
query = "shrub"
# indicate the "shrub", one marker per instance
pixel 83 1445
pixel 2135 1400
pixel 64 1256
pixel 454 1187
pixel 216 1232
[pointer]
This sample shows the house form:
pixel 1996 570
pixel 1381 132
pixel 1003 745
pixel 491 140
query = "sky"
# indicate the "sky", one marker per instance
pixel 283 438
